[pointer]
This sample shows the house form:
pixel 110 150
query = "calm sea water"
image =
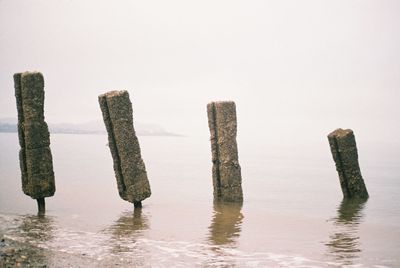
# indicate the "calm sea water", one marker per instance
pixel 293 214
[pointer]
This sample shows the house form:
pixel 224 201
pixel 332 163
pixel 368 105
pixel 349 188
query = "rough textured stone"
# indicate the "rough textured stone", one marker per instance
pixel 130 171
pixel 35 156
pixel 344 151
pixel 36 135
pixel 227 179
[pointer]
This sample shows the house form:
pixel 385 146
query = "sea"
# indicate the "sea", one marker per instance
pixel 293 213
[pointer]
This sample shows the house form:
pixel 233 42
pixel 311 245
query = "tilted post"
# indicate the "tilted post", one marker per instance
pixel 344 152
pixel 130 171
pixel 35 156
pixel 227 179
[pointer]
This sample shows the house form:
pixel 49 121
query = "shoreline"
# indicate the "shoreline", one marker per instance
pixel 18 254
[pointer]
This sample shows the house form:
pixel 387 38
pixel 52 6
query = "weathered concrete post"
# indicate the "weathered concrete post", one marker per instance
pixel 344 152
pixel 35 156
pixel 130 171
pixel 227 179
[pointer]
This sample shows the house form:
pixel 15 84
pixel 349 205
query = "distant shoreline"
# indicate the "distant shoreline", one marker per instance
pixel 103 133
pixel 96 128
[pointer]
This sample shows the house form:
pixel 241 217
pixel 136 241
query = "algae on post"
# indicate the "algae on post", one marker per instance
pixel 226 172
pixel 130 171
pixel 344 151
pixel 35 157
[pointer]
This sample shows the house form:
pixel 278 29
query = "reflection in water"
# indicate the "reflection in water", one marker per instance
pixel 124 235
pixel 224 230
pixel 344 242
pixel 226 223
pixel 129 224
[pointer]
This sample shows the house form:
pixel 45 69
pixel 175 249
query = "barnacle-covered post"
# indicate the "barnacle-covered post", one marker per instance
pixel 35 156
pixel 130 171
pixel 227 179
pixel 344 151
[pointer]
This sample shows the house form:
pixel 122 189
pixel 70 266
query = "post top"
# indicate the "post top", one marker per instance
pixel 27 73
pixel 340 132
pixel 31 73
pixel 113 93
pixel 221 103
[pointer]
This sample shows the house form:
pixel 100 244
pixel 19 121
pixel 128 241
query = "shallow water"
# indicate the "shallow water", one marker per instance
pixel 293 214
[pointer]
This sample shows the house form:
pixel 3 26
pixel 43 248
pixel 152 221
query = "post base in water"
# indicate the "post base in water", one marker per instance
pixel 41 205
pixel 137 204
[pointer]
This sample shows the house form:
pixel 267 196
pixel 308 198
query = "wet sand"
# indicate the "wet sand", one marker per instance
pixel 17 254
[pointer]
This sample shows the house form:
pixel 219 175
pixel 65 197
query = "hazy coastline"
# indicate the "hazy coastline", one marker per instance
pixel 9 125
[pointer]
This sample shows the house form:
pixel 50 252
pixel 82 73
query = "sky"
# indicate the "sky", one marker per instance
pixel 296 69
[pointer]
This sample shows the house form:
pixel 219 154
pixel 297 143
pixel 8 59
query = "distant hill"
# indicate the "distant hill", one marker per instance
pixel 92 127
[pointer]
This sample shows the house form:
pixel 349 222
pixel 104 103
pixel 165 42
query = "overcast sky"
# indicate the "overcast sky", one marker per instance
pixel 293 67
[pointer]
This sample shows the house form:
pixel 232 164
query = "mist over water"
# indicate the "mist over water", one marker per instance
pixel 293 214
pixel 296 70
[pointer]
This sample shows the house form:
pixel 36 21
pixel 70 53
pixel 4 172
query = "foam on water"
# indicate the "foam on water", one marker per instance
pixel 105 245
